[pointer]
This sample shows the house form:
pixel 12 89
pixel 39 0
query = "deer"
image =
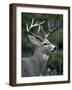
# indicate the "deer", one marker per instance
pixel 36 64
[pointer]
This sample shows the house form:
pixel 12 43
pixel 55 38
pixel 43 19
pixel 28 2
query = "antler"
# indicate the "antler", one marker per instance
pixel 34 25
pixel 50 31
pixel 45 35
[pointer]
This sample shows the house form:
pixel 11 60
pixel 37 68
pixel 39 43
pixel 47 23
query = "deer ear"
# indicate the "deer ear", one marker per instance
pixel 33 40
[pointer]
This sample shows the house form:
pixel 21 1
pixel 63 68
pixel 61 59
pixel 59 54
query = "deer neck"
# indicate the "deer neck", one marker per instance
pixel 40 56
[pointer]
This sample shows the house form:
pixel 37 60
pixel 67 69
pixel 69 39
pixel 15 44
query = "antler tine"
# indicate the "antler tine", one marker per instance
pixel 51 30
pixel 43 31
pixel 39 29
pixel 49 26
pixel 27 27
pixel 48 30
pixel 54 29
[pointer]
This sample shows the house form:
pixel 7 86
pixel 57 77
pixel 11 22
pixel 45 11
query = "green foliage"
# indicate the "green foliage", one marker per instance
pixel 57 39
pixel 55 62
pixel 56 56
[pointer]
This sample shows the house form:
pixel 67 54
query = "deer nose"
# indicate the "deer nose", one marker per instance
pixel 54 48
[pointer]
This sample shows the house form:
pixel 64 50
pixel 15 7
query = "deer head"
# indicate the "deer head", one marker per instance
pixel 43 44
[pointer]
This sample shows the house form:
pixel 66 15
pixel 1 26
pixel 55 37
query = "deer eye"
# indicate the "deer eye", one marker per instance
pixel 45 43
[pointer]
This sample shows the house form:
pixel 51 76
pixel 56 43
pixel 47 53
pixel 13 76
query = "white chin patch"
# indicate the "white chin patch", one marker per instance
pixel 45 57
pixel 52 49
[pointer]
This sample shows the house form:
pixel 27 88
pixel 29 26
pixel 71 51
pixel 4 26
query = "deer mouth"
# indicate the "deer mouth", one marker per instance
pixel 52 50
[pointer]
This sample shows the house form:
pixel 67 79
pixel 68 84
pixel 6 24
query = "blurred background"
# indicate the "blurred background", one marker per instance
pixel 55 62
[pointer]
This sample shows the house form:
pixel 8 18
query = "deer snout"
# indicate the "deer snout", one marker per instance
pixel 54 48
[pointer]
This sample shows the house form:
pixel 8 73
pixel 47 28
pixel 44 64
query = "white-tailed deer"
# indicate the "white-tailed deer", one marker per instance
pixel 34 65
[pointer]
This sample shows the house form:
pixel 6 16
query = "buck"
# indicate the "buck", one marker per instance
pixel 36 64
